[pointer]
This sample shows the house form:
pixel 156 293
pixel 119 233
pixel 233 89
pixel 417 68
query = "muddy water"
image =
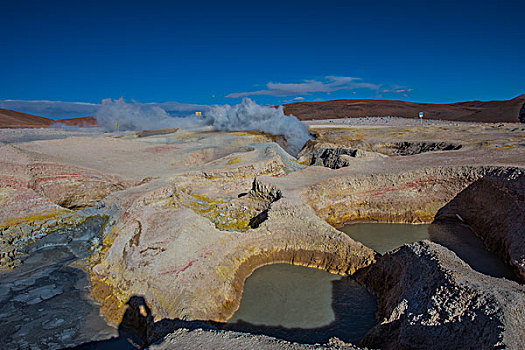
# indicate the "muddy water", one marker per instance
pixel 304 304
pixel 385 237
pixel 455 236
pixel 311 306
pixel 276 295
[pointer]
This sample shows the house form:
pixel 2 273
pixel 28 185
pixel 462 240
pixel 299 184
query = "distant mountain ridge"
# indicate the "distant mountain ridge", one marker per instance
pixel 14 119
pixel 62 109
pixel 472 111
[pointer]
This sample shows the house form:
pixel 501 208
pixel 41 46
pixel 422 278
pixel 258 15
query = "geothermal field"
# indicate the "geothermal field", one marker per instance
pixel 246 228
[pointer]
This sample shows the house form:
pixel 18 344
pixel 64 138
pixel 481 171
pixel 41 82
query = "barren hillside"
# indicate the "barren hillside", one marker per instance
pixel 14 119
pixel 472 111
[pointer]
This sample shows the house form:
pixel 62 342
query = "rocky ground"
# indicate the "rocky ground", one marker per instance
pixel 429 298
pixel 178 219
pixel 202 339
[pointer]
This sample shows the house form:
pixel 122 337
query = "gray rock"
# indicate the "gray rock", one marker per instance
pixel 428 298
pixel 28 298
pixel 67 334
pixel 333 158
pixel 200 339
pixel 410 148
pixel 53 323
pixel 494 207
pixel 46 292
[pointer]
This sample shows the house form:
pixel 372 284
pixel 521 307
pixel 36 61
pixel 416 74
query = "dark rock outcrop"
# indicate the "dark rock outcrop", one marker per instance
pixel 410 148
pixel 333 158
pixel 522 114
pixel 428 298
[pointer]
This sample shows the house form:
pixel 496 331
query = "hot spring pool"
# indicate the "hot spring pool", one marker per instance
pixel 311 306
pixel 304 304
pixel 454 236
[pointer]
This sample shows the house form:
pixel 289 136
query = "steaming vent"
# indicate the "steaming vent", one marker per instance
pixel 246 115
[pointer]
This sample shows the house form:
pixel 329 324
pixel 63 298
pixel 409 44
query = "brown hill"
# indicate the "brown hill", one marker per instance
pixel 80 122
pixel 473 111
pixel 13 119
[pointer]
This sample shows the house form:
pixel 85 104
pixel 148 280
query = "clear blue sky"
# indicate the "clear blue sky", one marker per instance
pixel 201 52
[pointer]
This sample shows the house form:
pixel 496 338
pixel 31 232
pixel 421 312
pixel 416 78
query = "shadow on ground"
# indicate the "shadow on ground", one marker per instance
pixel 354 317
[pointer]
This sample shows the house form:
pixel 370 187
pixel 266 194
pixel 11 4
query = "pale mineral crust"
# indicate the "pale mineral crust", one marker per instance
pixel 184 217
pixel 167 250
pixel 38 196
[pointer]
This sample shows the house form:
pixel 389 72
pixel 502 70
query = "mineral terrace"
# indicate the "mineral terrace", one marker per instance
pixel 180 219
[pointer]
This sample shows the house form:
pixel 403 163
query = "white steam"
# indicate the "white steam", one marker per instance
pixel 125 116
pixel 247 115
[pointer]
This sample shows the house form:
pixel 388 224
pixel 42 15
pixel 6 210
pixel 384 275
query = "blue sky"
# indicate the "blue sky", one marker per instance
pixel 272 51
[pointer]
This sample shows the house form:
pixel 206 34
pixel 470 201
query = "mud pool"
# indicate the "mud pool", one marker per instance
pixel 45 302
pixel 385 237
pixel 311 306
pixel 304 304
pixel 457 237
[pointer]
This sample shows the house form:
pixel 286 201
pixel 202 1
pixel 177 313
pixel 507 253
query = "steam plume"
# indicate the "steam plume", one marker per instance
pixel 247 115
pixel 133 116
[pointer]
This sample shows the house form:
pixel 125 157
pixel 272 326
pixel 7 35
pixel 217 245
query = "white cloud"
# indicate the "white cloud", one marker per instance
pixel 329 84
pixel 295 99
pixel 398 90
